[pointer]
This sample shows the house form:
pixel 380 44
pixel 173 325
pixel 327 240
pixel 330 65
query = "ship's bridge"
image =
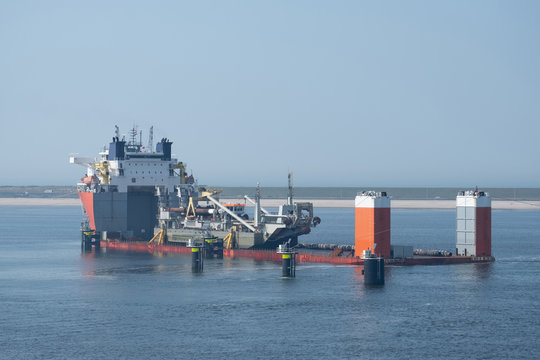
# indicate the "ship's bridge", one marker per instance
pixel 140 171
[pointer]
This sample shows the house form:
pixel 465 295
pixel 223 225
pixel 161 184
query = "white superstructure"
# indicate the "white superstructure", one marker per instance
pixel 137 171
pixel 129 164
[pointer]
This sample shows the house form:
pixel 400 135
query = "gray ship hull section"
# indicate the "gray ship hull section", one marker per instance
pixel 141 213
pixel 131 214
pixel 245 240
pixel 110 211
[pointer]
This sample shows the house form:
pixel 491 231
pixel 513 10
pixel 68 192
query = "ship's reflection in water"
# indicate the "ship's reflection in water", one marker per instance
pixel 472 272
pixel 104 262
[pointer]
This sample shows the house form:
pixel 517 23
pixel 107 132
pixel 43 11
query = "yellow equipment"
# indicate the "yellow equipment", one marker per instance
pixel 103 169
pixel 191 208
pixel 160 237
pixel 190 211
pixel 182 168
pixel 229 241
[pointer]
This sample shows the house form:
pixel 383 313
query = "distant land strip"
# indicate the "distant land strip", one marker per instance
pixel 321 193
pixel 317 203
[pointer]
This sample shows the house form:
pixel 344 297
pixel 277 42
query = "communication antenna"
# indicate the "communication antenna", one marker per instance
pixel 151 139
pixel 132 144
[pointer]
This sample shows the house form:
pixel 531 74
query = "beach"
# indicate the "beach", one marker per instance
pixel 317 203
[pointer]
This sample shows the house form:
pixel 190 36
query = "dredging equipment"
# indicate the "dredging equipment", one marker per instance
pixel 132 193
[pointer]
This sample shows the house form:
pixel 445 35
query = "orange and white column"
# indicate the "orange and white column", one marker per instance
pixel 372 224
pixel 473 223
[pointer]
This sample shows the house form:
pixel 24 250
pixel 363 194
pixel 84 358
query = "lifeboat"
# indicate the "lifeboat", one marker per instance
pixel 89 180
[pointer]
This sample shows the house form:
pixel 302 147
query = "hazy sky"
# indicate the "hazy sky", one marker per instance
pixel 343 93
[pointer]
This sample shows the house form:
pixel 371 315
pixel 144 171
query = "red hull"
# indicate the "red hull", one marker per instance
pixel 270 255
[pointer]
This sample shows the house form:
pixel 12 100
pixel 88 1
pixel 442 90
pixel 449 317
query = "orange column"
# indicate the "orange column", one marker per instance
pixel 364 230
pixel 372 224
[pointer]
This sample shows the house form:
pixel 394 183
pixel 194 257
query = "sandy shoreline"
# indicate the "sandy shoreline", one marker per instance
pixel 39 202
pixel 318 203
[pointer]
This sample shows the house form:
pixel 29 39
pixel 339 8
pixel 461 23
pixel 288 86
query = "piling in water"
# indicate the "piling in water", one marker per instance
pixel 197 259
pixel 288 261
pixel 197 255
pixel 374 271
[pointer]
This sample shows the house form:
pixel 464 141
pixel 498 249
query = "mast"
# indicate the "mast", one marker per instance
pixel 133 135
pixel 257 206
pixel 133 145
pixel 291 192
pixel 151 139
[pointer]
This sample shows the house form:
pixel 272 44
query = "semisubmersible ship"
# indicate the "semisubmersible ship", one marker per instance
pixel 138 198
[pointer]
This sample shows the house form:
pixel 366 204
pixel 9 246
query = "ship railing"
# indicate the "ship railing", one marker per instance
pixel 96 188
pixel 84 188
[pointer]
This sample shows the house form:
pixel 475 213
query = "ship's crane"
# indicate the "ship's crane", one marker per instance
pixel 83 161
pixel 239 219
pixel 191 209
pixel 266 212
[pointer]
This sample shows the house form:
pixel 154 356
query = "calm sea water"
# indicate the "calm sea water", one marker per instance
pixel 57 303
